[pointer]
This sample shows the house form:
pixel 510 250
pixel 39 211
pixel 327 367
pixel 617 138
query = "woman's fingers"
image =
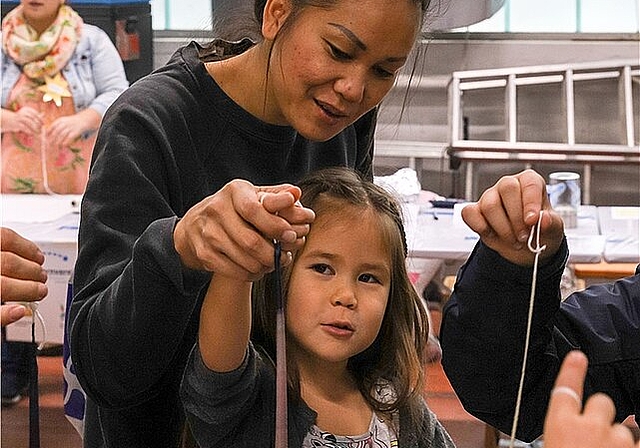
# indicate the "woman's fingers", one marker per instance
pixel 19 290
pixel 11 313
pixel 23 278
pixel 12 242
pixel 232 231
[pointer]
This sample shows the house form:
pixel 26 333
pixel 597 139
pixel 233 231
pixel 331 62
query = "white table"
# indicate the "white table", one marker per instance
pixel 442 234
pixel 52 223
pixel 620 228
pixel 586 244
pixel 434 233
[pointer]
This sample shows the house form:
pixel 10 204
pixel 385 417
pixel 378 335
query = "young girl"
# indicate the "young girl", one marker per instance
pixel 355 328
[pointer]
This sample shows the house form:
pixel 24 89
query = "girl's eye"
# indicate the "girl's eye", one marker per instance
pixel 368 278
pixel 322 268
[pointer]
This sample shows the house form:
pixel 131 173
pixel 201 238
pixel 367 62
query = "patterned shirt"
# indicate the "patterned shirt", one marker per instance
pixel 379 435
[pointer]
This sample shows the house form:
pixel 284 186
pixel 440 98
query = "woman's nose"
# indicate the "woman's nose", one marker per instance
pixel 351 86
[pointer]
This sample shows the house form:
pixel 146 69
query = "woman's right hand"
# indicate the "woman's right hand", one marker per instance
pixel 27 120
pixel 231 232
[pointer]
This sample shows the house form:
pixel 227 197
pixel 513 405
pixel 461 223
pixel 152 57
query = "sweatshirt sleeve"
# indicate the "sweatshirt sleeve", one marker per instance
pixel 134 314
pixel 217 403
pixel 483 335
pixel 603 321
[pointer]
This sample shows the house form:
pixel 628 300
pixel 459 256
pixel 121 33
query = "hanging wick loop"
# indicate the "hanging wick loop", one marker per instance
pixel 536 229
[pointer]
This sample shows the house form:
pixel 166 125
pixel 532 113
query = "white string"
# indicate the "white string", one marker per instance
pixel 536 250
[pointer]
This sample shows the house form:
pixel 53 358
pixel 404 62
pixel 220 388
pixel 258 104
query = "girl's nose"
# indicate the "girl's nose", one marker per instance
pixel 346 297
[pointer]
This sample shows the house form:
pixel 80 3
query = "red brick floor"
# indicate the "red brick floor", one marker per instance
pixel 465 430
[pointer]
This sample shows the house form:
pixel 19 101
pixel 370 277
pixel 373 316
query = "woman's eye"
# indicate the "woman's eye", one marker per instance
pixel 382 73
pixel 338 53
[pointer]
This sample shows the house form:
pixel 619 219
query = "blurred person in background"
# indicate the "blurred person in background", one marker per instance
pixel 59 76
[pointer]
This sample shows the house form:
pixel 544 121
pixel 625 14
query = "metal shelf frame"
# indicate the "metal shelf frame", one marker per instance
pixel 568 151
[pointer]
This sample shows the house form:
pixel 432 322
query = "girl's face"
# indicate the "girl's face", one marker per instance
pixel 40 13
pixel 339 288
pixel 330 66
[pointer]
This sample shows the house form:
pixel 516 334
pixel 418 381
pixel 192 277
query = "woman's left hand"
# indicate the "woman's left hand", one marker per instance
pixel 65 130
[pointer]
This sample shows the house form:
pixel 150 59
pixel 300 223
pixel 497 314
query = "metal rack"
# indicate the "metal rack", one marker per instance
pixel 511 148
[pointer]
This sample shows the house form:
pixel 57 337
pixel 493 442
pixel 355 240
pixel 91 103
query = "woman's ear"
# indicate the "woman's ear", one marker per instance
pixel 275 14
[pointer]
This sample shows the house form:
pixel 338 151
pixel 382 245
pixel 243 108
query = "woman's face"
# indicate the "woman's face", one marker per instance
pixel 330 66
pixel 40 13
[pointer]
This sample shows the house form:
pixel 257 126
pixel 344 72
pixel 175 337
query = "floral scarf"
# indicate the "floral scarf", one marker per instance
pixel 46 54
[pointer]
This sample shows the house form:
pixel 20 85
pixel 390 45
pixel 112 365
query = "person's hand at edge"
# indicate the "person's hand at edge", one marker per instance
pixel 22 278
pixel 569 424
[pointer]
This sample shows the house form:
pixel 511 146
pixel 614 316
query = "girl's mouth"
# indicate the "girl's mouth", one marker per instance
pixel 340 328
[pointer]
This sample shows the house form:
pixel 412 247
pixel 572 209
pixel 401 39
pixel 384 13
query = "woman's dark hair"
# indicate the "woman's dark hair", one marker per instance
pixel 396 355
pixel 259 5
pixel 234 20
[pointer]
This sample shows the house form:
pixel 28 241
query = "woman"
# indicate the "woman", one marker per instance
pixel 59 76
pixel 173 196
